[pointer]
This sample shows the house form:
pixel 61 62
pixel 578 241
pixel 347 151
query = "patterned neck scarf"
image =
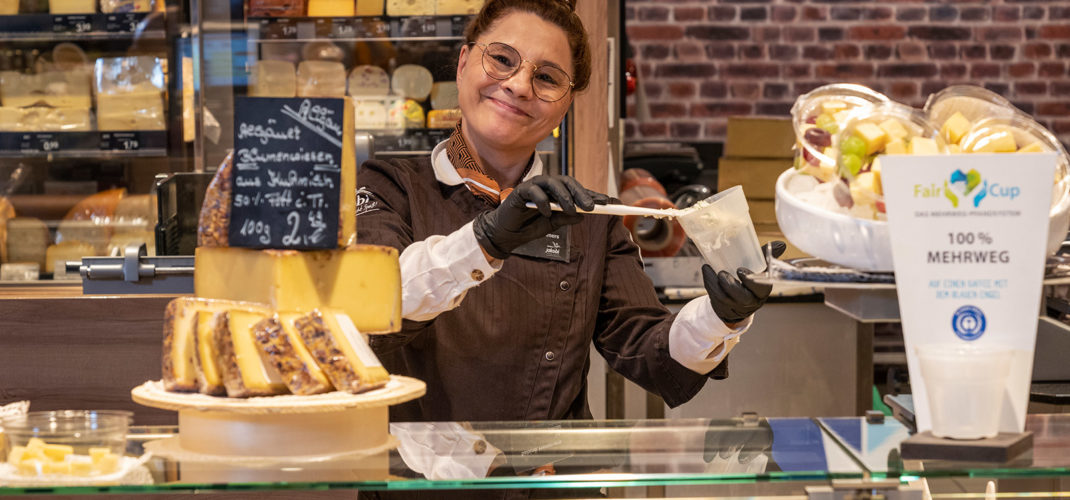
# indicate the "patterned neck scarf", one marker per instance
pixel 475 177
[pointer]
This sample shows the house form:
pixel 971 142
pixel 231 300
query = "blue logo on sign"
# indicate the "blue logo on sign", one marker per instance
pixel 968 323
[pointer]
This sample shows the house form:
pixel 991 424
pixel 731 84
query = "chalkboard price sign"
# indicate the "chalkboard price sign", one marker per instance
pixel 287 172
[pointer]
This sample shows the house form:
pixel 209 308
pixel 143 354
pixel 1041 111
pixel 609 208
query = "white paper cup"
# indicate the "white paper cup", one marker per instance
pixel 722 230
pixel 965 385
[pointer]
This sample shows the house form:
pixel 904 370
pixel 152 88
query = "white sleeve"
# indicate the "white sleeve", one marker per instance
pixel 698 339
pixel 438 271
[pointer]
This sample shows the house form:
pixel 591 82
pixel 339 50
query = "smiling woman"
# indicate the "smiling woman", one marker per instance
pixel 501 302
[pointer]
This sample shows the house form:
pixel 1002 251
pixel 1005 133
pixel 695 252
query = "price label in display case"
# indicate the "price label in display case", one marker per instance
pixel 123 23
pixel 72 24
pixel 287 172
pixel 418 27
pixel 372 27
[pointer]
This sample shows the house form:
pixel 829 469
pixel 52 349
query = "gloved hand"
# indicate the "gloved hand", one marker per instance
pixel 512 224
pixel 735 299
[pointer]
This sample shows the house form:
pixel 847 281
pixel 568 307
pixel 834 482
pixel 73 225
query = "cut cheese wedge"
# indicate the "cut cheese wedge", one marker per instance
pixel 209 376
pixel 278 339
pixel 244 368
pixel 179 347
pixel 341 351
pixel 364 281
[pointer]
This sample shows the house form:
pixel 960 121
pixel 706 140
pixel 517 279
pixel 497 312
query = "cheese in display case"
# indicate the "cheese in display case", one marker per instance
pixel 410 7
pixel 443 118
pixel 321 79
pixel 457 7
pixel 299 369
pixel 243 366
pixel 72 6
pixel 444 95
pixel 276 8
pixel 56 89
pixel 274 79
pixel 9 7
pixel 130 93
pixel 370 7
pixel 125 6
pixel 368 80
pixel 341 350
pixel 412 82
pixel 45 119
pixel 331 8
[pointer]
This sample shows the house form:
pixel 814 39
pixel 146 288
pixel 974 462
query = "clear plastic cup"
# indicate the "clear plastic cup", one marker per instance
pixel 975 103
pixel 722 230
pixel 965 385
pixel 818 148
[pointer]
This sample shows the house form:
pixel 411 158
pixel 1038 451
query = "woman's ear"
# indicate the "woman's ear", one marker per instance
pixel 462 61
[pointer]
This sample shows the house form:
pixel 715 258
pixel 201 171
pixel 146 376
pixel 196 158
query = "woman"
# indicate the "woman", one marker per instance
pixel 501 302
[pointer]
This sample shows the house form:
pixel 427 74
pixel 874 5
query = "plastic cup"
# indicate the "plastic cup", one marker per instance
pixel 965 385
pixel 722 230
pixel 806 111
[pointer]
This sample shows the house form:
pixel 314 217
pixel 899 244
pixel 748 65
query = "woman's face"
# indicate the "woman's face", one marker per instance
pixel 506 114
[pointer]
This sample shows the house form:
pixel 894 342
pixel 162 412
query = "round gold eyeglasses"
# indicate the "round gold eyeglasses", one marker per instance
pixel 500 62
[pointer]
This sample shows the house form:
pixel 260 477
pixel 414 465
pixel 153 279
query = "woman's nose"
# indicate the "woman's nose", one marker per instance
pixel 520 83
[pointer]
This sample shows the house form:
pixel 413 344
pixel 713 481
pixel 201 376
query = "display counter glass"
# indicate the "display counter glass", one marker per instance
pixel 789 453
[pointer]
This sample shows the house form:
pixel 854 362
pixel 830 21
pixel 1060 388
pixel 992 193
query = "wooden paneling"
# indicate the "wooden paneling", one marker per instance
pixel 590 132
pixel 81 352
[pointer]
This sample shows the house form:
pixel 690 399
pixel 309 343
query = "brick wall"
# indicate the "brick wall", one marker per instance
pixel 702 61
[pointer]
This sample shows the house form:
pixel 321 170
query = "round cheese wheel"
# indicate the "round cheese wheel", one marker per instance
pixel 412 82
pixel 444 95
pixel 368 80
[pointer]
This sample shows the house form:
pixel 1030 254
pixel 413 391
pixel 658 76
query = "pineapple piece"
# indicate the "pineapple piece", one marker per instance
pixel 896 147
pixel 1034 147
pixel 999 141
pixel 833 106
pixel 57 452
pixel 955 127
pixel 923 146
pixel 874 136
pixel 894 128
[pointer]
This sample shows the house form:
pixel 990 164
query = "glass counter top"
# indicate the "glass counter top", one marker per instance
pixel 581 455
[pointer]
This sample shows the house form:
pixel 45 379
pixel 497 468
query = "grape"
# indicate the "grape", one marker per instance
pixel 824 120
pixel 810 158
pixel 850 163
pixel 842 193
pixel 818 137
pixel 853 145
pixel 811 120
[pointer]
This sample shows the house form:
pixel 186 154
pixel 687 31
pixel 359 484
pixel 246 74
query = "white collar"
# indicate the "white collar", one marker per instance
pixel 447 174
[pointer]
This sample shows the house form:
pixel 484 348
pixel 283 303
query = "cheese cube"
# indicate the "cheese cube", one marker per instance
pixel 364 281
pixel 457 7
pixel 58 452
pixel 874 136
pixel 98 454
pixel 81 468
pixel 30 467
pixel 331 8
pixel 410 8
pixel 274 79
pixel 863 188
pixel 341 351
pixel 15 455
pixel 50 467
pixel 894 128
pixel 840 117
pixel 246 370
pixel 1034 147
pixel 896 147
pixel 321 79
pixel 370 7
pixel 107 464
pixel 954 149
pixel 876 169
pixel 999 141
pixel 35 445
pixel 923 146
pixel 955 127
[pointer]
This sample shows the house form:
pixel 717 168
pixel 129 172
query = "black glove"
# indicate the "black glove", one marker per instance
pixel 735 299
pixel 512 224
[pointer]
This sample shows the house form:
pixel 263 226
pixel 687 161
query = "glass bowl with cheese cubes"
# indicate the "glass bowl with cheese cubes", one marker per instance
pixel 955 109
pixel 79 443
pixel 818 116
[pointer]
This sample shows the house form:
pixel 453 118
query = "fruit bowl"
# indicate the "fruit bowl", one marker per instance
pixel 855 242
pixel 817 118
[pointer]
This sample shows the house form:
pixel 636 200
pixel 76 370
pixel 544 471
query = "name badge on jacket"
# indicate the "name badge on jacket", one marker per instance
pixel 553 246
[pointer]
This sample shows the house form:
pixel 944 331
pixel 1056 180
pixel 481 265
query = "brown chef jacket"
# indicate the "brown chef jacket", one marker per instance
pixel 516 348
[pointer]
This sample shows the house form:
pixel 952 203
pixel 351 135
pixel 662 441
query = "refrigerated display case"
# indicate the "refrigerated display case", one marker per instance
pixel 90 112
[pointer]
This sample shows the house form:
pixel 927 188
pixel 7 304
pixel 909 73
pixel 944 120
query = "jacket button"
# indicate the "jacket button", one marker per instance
pixel 550 355
pixel 564 286
pixel 477 275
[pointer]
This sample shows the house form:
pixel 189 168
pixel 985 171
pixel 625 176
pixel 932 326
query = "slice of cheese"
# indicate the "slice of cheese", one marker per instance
pixel 278 339
pixel 274 79
pixel 457 7
pixel 364 281
pixel 246 371
pixel 321 79
pixel 182 318
pixel 56 89
pixel 330 8
pixel 410 8
pixel 209 373
pixel 341 350
pixel 370 7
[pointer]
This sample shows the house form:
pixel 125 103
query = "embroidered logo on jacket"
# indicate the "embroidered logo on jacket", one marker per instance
pixel 366 202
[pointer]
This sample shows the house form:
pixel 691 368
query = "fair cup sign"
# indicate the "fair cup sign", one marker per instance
pixel 968 237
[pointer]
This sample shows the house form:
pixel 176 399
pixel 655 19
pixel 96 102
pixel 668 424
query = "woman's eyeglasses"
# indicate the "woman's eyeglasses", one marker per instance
pixel 501 62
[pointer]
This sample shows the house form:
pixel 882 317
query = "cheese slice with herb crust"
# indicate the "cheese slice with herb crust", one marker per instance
pixel 341 350
pixel 277 338
pixel 243 367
